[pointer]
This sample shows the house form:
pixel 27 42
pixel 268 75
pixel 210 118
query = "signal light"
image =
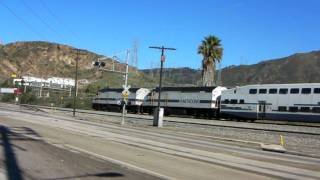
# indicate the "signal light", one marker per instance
pixel 98 64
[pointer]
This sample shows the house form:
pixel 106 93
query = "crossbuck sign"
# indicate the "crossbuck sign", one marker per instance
pixel 126 92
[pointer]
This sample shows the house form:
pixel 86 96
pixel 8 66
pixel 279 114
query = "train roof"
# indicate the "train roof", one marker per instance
pixel 187 89
pixel 117 89
pixel 279 85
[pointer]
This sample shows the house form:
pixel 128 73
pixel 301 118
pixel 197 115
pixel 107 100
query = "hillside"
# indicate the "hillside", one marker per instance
pixel 41 59
pixel 183 76
pixel 298 68
pixel 44 59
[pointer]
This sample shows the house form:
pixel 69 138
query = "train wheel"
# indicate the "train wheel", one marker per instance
pixel 150 111
pixel 198 114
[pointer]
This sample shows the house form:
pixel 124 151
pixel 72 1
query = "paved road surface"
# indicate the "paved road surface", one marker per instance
pixel 155 152
pixel 26 156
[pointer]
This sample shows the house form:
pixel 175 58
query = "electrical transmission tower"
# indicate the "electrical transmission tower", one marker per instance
pixel 135 53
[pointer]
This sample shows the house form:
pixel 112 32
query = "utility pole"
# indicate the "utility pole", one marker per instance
pixel 125 88
pixel 75 85
pixel 219 83
pixel 163 58
pixel 127 69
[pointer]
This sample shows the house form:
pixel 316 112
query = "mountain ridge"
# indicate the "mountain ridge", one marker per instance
pixel 43 59
pixel 296 68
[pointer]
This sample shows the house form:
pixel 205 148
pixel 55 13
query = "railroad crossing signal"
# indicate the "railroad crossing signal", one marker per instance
pixel 13 75
pixel 18 91
pixel 98 64
pixel 125 92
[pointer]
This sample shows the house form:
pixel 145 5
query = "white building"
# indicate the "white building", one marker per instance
pixel 52 82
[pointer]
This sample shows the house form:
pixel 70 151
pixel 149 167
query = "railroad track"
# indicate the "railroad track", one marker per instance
pixel 280 128
pixel 304 124
pixel 188 146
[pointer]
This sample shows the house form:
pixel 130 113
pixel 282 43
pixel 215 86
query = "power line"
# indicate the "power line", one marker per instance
pixel 52 14
pixel 42 20
pixel 23 21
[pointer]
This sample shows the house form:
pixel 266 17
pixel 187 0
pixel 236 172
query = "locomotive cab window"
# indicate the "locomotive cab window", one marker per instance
pixel 306 90
pixel 241 101
pixel 226 101
pixel 294 91
pixel 262 91
pixel 273 91
pixel 283 91
pixel 253 91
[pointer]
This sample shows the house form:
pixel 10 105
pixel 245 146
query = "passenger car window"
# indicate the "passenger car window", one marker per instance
pixel 316 90
pixel 283 91
pixel 273 91
pixel 294 91
pixel 293 109
pixel 316 110
pixel 305 109
pixel 253 91
pixel 262 91
pixel 306 90
pixel 233 101
pixel 282 108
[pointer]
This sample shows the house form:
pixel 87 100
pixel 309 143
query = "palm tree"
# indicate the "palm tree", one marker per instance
pixel 211 51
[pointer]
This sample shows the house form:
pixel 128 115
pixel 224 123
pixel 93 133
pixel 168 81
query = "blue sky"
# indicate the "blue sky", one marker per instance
pixel 250 30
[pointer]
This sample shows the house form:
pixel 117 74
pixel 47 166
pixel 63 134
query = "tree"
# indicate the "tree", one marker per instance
pixel 211 51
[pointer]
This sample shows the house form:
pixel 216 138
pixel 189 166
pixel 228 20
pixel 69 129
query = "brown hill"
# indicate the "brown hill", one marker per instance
pixel 51 59
pixel 44 59
pixel 298 68
pixel 41 59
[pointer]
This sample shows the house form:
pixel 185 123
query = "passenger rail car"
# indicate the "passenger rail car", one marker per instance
pixel 110 99
pixel 289 102
pixel 198 101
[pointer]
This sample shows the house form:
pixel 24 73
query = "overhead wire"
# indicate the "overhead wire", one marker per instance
pixel 54 16
pixel 41 19
pixel 41 36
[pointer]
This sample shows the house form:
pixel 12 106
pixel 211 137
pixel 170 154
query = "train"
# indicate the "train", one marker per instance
pixel 288 102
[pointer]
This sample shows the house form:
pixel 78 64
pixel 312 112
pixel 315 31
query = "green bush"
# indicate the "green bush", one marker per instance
pixel 28 98
pixel 8 98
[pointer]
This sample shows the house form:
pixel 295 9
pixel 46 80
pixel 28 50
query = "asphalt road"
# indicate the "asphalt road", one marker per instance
pixel 145 150
pixel 27 156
